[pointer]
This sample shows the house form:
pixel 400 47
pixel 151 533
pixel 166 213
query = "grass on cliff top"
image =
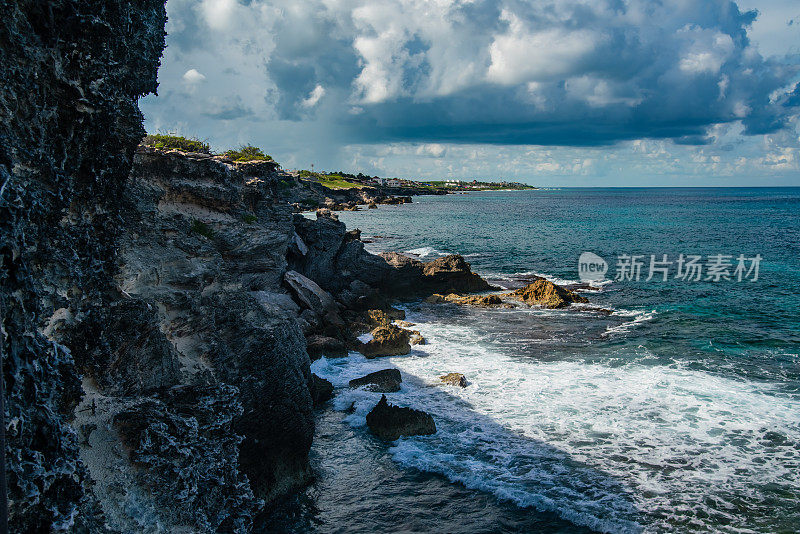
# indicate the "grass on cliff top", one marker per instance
pixel 331 181
pixel 178 142
pixel 247 153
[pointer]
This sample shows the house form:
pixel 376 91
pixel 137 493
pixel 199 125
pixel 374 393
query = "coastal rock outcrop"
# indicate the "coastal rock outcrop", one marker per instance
pixel 480 301
pixel 545 293
pixel 321 390
pixel 454 379
pixel 387 340
pixel 449 274
pixel 384 381
pixel 390 422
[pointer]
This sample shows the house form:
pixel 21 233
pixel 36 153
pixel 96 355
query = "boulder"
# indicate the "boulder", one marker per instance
pixel 417 339
pixel 321 390
pixel 372 206
pixel 547 294
pixel 387 340
pixel 409 277
pixel 385 381
pixel 318 346
pixel 454 379
pixel 390 422
pixel 309 294
pixel 403 324
pixel 385 316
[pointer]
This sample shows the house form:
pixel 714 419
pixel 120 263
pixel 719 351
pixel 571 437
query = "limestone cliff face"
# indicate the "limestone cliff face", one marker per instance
pixel 69 123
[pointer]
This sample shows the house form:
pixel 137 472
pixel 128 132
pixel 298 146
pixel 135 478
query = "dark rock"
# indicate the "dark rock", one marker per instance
pixel 480 301
pixel 385 381
pixel 450 274
pixel 390 422
pixel 72 74
pixel 329 347
pixel 321 390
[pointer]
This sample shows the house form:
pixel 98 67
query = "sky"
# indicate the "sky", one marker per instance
pixel 547 92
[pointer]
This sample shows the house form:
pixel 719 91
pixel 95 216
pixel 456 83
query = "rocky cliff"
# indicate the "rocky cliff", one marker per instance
pixel 72 72
pixel 157 306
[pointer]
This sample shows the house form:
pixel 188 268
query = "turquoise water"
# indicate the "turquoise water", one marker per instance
pixel 660 407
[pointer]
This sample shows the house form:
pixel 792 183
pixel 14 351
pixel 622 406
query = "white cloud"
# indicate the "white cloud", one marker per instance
pixel 314 97
pixel 193 76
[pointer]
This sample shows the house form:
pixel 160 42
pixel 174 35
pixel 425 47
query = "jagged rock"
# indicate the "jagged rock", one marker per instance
pixel 417 339
pixel 384 317
pixel 72 74
pixel 450 274
pixel 390 422
pixel 309 293
pixel 547 294
pixel 403 324
pixel 385 381
pixel 329 347
pixel 387 340
pixel 321 390
pixel 372 206
pixel 186 451
pixel 454 379
pixel 480 301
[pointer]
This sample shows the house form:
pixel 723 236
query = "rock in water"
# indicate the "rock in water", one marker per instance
pixel 454 379
pixel 385 381
pixel 388 340
pixel 389 422
pixel 547 294
pixel 417 339
pixel 480 301
pixel 330 347
pixel 321 390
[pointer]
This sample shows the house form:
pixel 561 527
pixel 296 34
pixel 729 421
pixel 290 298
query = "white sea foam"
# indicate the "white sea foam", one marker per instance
pixel 618 448
pixel 424 252
pixel 639 317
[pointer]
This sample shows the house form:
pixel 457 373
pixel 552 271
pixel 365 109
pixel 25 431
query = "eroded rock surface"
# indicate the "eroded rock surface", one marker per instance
pixel 545 293
pixel 390 422
pixel 384 381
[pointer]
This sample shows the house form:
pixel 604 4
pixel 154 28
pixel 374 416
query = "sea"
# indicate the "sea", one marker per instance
pixel 669 403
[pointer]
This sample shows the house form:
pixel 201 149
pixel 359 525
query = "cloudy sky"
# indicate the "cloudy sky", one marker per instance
pixel 550 92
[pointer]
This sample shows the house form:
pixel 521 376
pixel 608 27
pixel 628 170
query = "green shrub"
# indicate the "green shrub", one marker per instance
pixel 177 142
pixel 248 153
pixel 249 218
pixel 201 228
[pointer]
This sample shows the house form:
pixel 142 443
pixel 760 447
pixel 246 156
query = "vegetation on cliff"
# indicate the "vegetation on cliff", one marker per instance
pixel 177 142
pixel 247 153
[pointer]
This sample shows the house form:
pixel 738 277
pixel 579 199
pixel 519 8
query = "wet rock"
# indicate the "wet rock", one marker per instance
pixel 547 294
pixel 417 339
pixel 321 390
pixel 372 206
pixel 329 347
pixel 403 324
pixel 390 422
pixel 385 381
pixel 387 340
pixel 454 379
pixel 480 301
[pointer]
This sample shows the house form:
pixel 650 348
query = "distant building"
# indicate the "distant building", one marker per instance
pixel 393 183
